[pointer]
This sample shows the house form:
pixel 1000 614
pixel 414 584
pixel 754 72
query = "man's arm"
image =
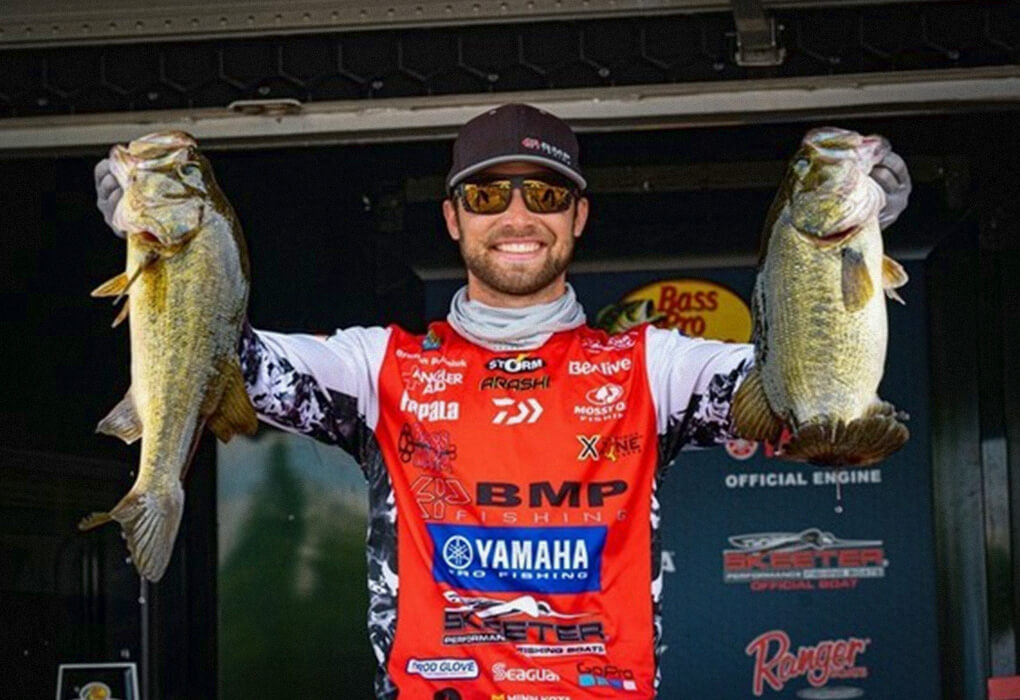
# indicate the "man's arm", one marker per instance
pixel 326 388
pixel 692 383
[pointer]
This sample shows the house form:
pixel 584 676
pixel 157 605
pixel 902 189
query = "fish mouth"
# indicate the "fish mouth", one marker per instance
pixel 838 236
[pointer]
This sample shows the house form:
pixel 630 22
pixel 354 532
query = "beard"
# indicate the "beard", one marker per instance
pixel 522 280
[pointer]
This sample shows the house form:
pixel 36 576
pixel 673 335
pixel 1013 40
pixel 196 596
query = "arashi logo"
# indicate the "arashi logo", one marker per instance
pixel 775 665
pixel 443 669
pixel 430 410
pixel 518 559
pixel 500 673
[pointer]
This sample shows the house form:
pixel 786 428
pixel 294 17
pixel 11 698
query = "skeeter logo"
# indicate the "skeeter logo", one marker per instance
pixel 776 665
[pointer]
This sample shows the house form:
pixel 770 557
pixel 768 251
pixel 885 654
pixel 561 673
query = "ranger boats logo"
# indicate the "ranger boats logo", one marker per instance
pixel 812 559
pixel 776 664
pixel 518 559
pixel 430 411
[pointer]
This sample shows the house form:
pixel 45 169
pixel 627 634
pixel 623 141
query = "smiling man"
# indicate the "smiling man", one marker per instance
pixel 513 453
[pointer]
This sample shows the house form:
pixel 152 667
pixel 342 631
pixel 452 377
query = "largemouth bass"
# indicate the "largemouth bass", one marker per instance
pixel 820 327
pixel 622 316
pixel 186 285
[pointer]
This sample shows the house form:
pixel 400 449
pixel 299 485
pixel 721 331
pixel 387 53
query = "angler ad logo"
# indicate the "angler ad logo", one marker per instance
pixel 775 664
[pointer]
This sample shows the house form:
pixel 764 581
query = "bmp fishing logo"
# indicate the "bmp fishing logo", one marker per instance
pixel 515 365
pixel 775 665
pixel 812 559
pixel 518 559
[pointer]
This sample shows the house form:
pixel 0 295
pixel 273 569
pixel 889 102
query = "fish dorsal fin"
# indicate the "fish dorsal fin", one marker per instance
pixel 893 277
pixel 113 287
pixel 856 282
pixel 122 421
pixel 234 414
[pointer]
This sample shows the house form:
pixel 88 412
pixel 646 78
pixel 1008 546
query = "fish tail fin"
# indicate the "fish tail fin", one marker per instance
pixel 753 417
pixel 150 523
pixel 859 443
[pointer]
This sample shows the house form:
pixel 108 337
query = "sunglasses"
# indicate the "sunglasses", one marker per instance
pixel 493 196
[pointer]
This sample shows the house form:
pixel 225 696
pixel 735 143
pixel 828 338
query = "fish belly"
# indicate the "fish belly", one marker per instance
pixel 823 360
pixel 186 313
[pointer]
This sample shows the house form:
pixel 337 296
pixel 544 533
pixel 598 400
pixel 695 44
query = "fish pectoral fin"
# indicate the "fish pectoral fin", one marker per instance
pixel 893 277
pixel 754 419
pixel 121 315
pixel 122 421
pixel 112 287
pixel 234 414
pixel 93 520
pixel 856 282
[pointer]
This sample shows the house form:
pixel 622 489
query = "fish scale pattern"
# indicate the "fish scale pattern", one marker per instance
pixel 471 59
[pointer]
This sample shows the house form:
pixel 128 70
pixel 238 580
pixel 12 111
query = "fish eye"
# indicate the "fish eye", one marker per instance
pixel 188 170
pixel 801 166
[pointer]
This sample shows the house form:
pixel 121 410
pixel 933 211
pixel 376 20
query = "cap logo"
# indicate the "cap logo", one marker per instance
pixel 546 148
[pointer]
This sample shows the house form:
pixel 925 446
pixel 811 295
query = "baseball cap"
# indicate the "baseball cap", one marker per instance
pixel 514 133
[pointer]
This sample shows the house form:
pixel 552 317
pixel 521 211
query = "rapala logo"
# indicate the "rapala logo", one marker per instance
pixel 431 381
pixel 518 559
pixel 443 668
pixel 775 665
pixel 812 559
pixel 501 672
pixel 606 368
pixel 515 365
pixel 430 411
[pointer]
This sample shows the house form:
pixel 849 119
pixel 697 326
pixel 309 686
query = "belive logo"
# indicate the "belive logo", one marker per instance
pixel 583 368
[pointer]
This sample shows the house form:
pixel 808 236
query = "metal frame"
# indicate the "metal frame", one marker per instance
pixel 25 23
pixel 606 109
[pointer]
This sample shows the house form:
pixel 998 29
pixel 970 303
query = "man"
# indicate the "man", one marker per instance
pixel 513 453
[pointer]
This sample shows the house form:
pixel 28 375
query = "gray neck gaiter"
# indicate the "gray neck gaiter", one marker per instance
pixel 513 329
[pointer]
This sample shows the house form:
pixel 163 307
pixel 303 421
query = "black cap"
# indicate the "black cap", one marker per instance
pixel 515 132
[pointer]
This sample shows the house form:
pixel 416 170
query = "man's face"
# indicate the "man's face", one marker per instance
pixel 516 255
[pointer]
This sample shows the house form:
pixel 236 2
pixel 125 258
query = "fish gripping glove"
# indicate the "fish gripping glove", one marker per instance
pixel 892 176
pixel 108 193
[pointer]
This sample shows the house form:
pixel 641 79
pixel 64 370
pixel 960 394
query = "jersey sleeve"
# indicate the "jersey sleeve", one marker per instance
pixel 326 388
pixel 692 382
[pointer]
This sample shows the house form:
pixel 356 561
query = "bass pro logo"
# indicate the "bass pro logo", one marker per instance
pixel 518 559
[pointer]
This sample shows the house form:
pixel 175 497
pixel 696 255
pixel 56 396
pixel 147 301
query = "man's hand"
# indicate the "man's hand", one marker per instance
pixel 891 174
pixel 108 193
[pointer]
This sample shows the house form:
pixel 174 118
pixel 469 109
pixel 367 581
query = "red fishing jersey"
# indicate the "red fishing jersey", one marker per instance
pixel 513 538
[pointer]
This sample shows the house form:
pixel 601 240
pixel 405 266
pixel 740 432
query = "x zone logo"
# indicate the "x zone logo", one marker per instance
pixel 613 447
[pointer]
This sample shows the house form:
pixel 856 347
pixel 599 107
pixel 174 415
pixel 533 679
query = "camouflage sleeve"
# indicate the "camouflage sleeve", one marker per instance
pixel 326 388
pixel 692 383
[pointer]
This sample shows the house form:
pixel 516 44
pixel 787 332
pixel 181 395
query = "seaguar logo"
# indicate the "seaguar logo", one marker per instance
pixel 518 559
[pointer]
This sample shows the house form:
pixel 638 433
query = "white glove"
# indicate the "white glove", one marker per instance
pixel 891 174
pixel 108 193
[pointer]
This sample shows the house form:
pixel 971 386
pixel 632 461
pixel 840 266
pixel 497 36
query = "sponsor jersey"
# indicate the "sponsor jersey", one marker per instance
pixel 513 515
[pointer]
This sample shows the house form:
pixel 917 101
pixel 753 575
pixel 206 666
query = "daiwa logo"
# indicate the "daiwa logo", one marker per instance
pixel 518 559
pixel 501 673
pixel 430 410
pixel 443 669
pixel 582 368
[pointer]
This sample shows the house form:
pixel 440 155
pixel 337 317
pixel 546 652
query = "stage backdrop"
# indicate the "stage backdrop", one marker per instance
pixel 784 580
